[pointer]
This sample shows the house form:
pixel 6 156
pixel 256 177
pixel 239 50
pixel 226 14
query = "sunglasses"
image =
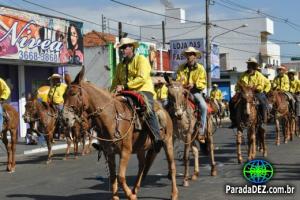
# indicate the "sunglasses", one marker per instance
pixel 125 46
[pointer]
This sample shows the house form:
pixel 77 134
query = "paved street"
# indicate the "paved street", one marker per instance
pixel 86 178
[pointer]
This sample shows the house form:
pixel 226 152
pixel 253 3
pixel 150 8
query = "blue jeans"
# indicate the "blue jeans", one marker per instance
pixel 151 116
pixel 203 107
pixel 264 104
pixel 1 117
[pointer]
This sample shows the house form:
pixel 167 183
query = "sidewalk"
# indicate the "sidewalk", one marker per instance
pixel 24 149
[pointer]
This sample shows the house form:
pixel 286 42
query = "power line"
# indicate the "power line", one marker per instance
pixel 259 12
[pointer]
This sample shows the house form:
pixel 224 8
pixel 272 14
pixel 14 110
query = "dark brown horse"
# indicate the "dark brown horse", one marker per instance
pixel 44 117
pixel 10 135
pixel 280 104
pixel 247 118
pixel 114 123
pixel 187 126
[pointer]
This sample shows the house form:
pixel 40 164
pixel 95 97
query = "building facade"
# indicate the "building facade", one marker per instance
pixel 33 47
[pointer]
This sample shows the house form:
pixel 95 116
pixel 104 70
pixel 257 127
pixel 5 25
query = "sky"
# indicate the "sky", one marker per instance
pixel 195 10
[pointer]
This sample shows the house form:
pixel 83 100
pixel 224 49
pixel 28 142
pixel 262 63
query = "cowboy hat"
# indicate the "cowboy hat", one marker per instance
pixel 192 50
pixel 125 41
pixel 252 60
pixel 292 71
pixel 55 76
pixel 281 67
pixel 215 85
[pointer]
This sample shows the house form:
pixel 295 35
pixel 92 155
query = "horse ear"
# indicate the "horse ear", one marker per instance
pixel 166 77
pixel 68 79
pixel 29 97
pixel 79 76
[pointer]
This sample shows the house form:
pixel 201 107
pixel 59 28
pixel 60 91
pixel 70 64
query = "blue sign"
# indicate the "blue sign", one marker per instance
pixel 225 89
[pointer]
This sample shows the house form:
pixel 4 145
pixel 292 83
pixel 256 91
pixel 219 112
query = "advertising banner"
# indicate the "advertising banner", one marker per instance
pixel 178 46
pixel 34 37
pixel 148 50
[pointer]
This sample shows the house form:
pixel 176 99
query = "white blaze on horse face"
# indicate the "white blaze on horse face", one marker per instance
pixel 69 117
pixel 248 108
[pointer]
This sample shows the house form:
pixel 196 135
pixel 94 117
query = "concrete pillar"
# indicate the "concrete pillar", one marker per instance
pixel 22 100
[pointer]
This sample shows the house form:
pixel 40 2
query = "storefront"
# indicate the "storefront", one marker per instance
pixel 32 47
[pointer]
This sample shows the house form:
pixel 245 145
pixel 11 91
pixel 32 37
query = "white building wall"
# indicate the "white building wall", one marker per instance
pixel 239 47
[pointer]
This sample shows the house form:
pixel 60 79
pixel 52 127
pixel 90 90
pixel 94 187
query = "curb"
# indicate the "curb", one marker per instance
pixel 45 149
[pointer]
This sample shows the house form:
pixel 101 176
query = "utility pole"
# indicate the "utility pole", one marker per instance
pixel 120 37
pixel 208 48
pixel 163 34
pixel 103 24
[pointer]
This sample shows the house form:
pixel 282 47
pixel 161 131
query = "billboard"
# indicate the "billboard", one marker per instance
pixel 148 50
pixel 178 46
pixel 34 37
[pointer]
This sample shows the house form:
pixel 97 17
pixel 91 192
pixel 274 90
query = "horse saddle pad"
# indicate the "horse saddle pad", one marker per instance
pixel 137 99
pixel 193 104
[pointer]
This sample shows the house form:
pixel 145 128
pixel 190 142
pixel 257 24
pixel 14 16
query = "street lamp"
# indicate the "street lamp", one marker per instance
pixel 208 53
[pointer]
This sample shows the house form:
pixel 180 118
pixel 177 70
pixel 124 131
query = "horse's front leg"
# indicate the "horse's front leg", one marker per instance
pixel 141 161
pixel 68 148
pixel 251 143
pixel 13 149
pixel 111 159
pixel 277 125
pixel 8 151
pixel 213 171
pixel 49 139
pixel 196 162
pixel 238 145
pixel 124 159
pixel 186 159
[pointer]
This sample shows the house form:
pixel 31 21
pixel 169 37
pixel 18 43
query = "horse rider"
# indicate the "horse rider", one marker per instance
pixel 255 79
pixel 216 96
pixel 55 97
pixel 193 77
pixel 161 91
pixel 295 90
pixel 282 83
pixel 4 95
pixel 133 73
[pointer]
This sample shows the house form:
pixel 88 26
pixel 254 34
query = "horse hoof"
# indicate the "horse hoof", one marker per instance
pixel 115 198
pixel 76 157
pixel 265 154
pixel 194 177
pixel 186 183
pixel 132 197
pixel 213 171
pixel 240 160
pixel 48 162
pixel 174 197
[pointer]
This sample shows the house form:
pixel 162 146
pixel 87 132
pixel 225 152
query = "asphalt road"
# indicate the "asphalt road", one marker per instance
pixel 86 178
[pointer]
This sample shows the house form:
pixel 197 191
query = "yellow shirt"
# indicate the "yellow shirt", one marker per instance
pixel 281 83
pixel 138 79
pixel 56 93
pixel 162 93
pixel 42 93
pixel 4 90
pixel 196 75
pixel 294 86
pixel 216 94
pixel 256 80
pixel 267 85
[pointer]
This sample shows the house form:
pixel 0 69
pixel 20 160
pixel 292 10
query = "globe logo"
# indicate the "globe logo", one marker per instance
pixel 258 171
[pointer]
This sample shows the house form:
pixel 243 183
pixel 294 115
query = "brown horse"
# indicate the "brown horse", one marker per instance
pixel 217 112
pixel 186 128
pixel 246 118
pixel 44 117
pixel 10 135
pixel 80 130
pixel 114 123
pixel 280 104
